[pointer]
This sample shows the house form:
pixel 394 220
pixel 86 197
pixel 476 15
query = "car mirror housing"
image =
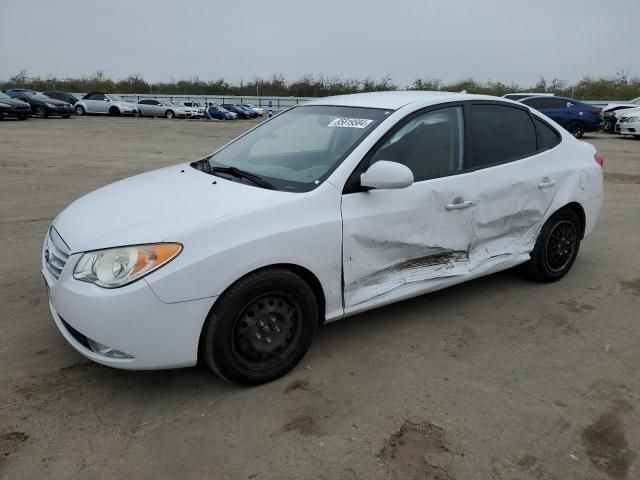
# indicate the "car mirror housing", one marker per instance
pixel 384 175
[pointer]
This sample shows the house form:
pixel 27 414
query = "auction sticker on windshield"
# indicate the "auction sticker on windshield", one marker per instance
pixel 350 122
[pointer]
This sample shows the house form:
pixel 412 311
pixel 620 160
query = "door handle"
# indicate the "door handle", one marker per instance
pixel 458 204
pixel 546 183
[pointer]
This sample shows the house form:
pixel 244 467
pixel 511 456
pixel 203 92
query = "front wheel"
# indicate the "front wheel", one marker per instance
pixel 576 129
pixel 169 114
pixel 260 328
pixel 80 110
pixel 556 248
pixel 41 112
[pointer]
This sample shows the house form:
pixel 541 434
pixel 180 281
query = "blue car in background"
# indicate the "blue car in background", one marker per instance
pixel 218 113
pixel 577 117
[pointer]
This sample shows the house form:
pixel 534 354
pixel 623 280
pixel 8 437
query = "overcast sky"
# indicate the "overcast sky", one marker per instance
pixel 506 40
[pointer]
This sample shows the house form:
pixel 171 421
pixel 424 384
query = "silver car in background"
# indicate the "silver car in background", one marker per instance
pixel 152 107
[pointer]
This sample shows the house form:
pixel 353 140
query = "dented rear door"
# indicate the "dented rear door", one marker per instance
pixel 517 180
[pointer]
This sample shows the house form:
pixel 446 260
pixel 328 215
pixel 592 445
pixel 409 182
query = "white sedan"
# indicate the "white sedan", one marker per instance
pixel 329 209
pixel 629 123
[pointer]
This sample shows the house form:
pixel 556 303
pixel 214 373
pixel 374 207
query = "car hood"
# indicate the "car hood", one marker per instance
pixel 609 106
pixel 628 112
pixel 14 102
pixel 157 206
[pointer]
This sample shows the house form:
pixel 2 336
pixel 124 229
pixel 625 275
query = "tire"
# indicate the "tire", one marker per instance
pixel 114 111
pixel 80 110
pixel 562 231
pixel 260 328
pixel 576 129
pixel 41 112
pixel 169 114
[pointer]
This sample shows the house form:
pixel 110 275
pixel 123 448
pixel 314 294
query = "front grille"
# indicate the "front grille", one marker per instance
pixel 56 253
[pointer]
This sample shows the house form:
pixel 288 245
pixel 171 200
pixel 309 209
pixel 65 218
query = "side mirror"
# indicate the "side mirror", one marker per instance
pixel 387 175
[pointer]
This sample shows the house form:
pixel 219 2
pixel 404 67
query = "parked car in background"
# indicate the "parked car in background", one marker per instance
pixel 332 208
pixel 577 117
pixel 520 96
pixel 197 109
pixel 613 111
pixel 629 123
pixel 219 113
pixel 234 115
pixel 151 107
pixel 64 96
pixel 241 111
pixel 13 107
pixel 101 103
pixel 258 110
pixel 41 105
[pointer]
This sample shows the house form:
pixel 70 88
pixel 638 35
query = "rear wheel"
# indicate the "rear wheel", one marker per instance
pixel 576 129
pixel 260 328
pixel 556 248
pixel 41 112
pixel 80 110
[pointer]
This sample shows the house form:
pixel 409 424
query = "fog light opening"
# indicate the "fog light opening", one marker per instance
pixel 106 351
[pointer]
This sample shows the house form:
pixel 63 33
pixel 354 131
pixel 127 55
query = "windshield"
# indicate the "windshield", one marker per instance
pixel 4 95
pixel 168 103
pixel 115 98
pixel 302 146
pixel 38 95
pixel 635 100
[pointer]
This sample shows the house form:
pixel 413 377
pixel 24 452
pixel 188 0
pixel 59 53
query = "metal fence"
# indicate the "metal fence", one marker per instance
pixel 278 103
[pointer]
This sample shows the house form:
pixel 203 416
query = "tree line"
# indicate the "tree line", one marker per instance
pixel 620 86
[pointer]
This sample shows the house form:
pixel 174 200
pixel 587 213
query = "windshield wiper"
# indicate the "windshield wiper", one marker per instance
pixel 236 172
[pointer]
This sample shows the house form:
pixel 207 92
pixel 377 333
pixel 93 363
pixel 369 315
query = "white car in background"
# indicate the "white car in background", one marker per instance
pixel 331 208
pixel 152 107
pixel 197 110
pixel 104 104
pixel 629 123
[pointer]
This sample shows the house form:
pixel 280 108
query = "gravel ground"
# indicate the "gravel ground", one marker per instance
pixel 499 378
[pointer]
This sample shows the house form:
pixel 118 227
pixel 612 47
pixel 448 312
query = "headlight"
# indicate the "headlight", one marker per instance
pixel 631 119
pixel 2 104
pixel 115 267
pixel 51 105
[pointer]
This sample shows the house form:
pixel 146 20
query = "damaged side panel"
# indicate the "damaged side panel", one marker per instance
pixel 394 240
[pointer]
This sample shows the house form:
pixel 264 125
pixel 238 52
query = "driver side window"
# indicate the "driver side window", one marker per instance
pixel 431 144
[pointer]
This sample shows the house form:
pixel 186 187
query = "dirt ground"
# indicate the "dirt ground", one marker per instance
pixel 499 378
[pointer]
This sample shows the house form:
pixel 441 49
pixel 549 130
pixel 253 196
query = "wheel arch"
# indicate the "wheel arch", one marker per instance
pixel 307 275
pixel 579 211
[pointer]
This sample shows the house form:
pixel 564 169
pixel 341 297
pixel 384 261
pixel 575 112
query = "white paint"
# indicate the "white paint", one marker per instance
pixel 388 244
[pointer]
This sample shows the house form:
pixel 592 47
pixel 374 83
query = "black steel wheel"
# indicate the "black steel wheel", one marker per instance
pixel 556 248
pixel 576 129
pixel 260 328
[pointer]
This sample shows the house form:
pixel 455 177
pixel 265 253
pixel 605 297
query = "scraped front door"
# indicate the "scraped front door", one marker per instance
pixel 398 243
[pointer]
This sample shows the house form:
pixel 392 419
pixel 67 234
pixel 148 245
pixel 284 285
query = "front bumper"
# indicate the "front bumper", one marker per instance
pixel 15 111
pixel 60 111
pixel 628 128
pixel 131 319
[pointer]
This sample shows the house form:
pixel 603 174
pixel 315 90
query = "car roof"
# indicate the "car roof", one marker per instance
pixel 394 100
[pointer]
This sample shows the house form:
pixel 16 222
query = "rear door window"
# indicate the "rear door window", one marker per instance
pixel 501 133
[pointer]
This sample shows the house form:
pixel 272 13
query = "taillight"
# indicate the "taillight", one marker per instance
pixel 597 111
pixel 598 158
